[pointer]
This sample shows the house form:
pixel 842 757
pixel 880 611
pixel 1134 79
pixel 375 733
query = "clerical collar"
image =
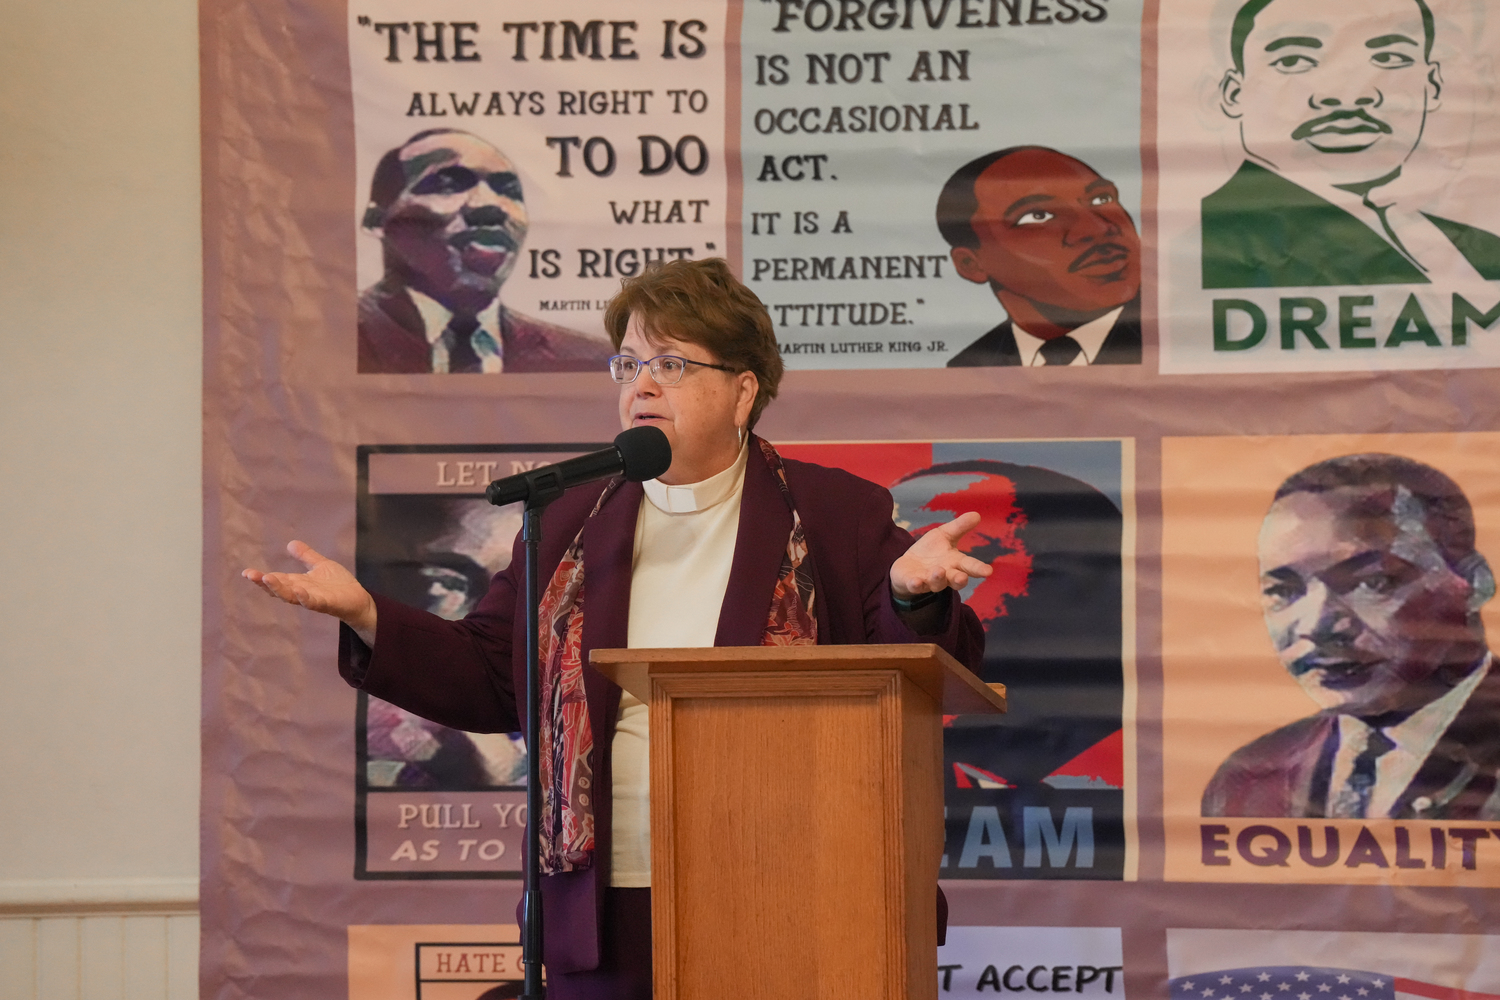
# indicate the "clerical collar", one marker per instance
pixel 699 496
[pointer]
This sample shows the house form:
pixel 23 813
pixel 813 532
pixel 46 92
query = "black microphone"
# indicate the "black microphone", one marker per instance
pixel 641 453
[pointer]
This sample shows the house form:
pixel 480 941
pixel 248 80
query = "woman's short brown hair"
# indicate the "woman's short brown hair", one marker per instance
pixel 701 302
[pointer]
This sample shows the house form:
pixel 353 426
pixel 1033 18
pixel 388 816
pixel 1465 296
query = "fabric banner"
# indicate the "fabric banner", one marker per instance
pixel 1241 594
pixel 1324 209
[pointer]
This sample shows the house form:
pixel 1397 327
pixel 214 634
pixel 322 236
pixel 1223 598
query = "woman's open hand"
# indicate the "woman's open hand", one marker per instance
pixel 935 562
pixel 326 587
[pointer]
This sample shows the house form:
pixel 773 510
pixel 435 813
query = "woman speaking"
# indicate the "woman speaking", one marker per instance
pixel 731 546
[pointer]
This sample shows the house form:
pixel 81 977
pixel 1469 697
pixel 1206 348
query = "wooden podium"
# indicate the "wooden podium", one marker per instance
pixel 796 815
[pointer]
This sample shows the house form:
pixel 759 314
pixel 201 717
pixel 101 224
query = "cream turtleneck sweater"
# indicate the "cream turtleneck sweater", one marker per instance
pixel 684 548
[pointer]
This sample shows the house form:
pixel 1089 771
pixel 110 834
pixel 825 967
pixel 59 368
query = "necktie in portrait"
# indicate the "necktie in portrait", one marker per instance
pixel 1353 800
pixel 1060 351
pixel 464 347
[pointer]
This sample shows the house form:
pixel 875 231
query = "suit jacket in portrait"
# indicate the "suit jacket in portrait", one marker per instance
pixel 1287 772
pixel 393 339
pixel 1260 230
pixel 998 347
pixel 469 674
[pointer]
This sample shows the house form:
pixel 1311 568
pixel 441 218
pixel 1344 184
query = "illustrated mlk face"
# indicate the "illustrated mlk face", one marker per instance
pixel 1360 604
pixel 1334 88
pixel 1053 232
pixel 455 230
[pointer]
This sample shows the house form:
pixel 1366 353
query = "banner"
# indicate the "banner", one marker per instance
pixel 1325 209
pixel 1242 595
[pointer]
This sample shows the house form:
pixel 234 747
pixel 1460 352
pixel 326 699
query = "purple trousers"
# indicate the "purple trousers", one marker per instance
pixel 624 971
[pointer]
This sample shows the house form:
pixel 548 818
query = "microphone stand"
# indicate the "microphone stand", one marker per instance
pixel 647 452
pixel 544 485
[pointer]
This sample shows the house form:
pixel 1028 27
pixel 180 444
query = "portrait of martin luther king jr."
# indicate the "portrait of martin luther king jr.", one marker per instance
pixel 448 209
pixel 1371 588
pixel 1051 239
pixel 1331 99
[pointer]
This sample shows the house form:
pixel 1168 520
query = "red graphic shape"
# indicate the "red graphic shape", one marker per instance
pixel 1100 768
pixel 879 463
pixel 962 773
pixel 1414 987
pixel 1000 523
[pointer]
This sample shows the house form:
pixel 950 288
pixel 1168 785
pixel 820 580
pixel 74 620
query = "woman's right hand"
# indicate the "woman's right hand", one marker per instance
pixel 326 587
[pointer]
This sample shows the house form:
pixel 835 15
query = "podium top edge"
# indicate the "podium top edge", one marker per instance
pixel 951 684
pixel 773 654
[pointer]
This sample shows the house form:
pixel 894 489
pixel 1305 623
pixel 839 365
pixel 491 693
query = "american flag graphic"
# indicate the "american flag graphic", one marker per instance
pixel 1306 982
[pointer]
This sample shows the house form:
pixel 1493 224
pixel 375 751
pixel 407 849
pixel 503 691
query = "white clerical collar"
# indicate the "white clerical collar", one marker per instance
pixel 1090 337
pixel 699 496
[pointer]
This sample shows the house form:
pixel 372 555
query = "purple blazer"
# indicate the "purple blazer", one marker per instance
pixel 469 675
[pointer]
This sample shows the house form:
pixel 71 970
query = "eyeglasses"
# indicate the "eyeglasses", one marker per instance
pixel 665 369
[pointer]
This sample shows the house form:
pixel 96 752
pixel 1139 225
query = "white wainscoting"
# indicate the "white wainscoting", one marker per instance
pixel 98 941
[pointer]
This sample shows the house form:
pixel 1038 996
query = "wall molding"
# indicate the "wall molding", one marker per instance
pixel 48 897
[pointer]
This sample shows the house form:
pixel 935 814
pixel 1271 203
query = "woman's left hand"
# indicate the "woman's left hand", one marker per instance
pixel 935 562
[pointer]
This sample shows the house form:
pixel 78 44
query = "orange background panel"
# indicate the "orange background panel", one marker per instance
pixel 1223 685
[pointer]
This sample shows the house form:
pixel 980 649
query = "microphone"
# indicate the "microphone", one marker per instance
pixel 641 453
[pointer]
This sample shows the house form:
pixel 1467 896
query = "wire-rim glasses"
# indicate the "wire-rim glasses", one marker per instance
pixel 665 369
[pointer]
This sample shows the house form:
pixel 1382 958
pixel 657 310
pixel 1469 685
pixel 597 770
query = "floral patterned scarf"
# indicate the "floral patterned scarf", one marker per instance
pixel 566 831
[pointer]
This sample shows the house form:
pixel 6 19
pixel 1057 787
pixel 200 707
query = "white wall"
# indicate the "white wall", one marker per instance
pixel 134 956
pixel 100 536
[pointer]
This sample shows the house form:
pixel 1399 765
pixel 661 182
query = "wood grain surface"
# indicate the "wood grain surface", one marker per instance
pixel 796 816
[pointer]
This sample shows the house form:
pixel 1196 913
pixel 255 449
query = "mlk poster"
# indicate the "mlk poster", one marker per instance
pixel 1041 792
pixel 511 171
pixel 1329 165
pixel 434 802
pixel 864 134
pixel 1297 632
